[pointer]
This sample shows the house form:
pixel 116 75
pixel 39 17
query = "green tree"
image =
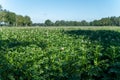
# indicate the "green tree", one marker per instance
pixel 0 8
pixel 27 21
pixel 84 23
pixel 11 18
pixel 119 21
pixel 48 23
pixel 19 20
pixel 3 17
pixel 57 23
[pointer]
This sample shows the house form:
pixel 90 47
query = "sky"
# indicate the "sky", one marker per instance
pixel 75 10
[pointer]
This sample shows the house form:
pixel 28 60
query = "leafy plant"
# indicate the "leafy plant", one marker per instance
pixel 59 54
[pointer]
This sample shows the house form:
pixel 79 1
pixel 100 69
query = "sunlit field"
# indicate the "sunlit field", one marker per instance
pixel 60 53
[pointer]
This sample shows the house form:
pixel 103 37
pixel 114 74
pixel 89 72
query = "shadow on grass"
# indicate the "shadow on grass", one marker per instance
pixel 14 43
pixel 110 55
pixel 104 37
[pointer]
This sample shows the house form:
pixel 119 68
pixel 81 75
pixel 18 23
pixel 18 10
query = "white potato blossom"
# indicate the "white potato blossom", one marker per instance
pixel 62 48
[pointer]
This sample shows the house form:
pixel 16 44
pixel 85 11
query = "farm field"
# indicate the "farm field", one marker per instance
pixel 59 53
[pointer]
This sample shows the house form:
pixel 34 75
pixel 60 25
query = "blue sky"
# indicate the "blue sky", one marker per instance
pixel 40 10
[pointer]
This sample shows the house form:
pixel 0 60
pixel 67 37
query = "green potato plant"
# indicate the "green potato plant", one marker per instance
pixel 59 53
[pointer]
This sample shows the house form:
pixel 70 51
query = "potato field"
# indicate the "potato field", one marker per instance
pixel 63 53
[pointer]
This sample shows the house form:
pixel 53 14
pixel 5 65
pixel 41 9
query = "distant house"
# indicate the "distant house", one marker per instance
pixel 3 24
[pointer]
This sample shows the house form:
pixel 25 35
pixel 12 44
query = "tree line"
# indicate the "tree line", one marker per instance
pixel 8 18
pixel 108 21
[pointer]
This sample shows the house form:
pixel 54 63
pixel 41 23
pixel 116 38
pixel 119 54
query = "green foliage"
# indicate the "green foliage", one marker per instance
pixel 8 18
pixel 0 8
pixel 108 21
pixel 59 54
pixel 48 23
